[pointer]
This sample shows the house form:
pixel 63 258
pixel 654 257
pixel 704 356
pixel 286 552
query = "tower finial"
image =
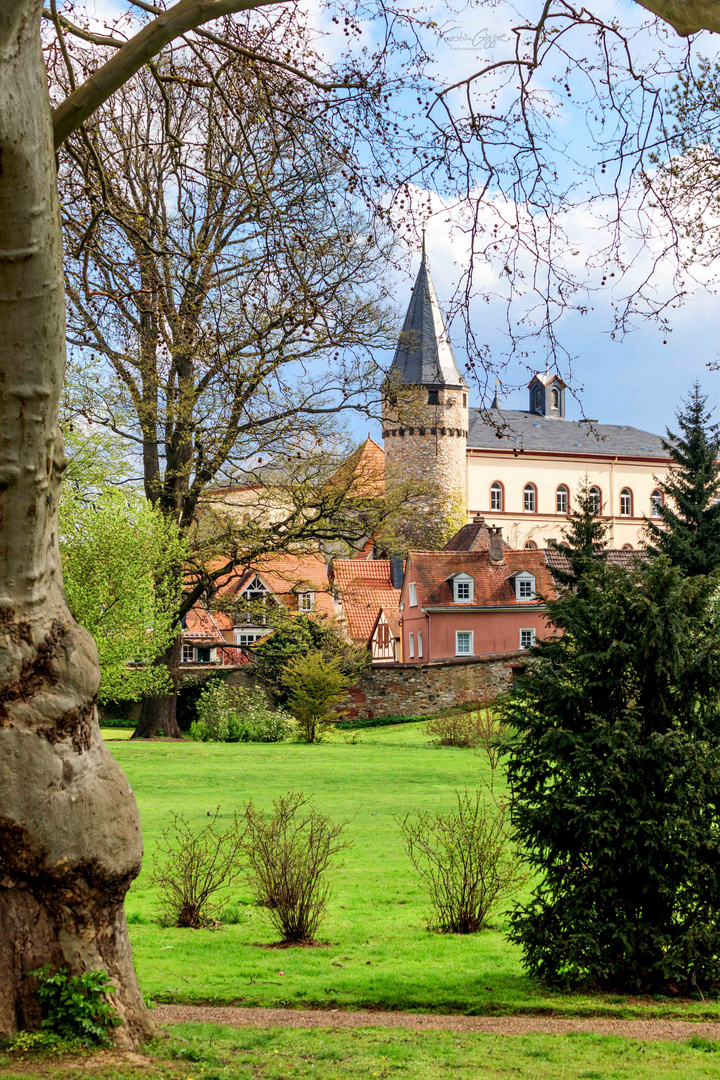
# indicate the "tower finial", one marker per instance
pixel 423 242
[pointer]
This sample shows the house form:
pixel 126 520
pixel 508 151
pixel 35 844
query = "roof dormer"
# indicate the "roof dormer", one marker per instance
pixel 462 587
pixel 524 585
pixel 547 396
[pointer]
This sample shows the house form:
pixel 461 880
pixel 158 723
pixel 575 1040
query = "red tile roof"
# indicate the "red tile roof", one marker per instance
pixel 431 569
pixel 363 472
pixel 204 628
pixel 472 537
pixel 364 587
pixel 285 575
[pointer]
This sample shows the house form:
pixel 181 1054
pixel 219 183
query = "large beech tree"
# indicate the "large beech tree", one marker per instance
pixel 70 842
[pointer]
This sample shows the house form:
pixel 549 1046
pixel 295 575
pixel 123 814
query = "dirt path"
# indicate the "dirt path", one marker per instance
pixel 667 1030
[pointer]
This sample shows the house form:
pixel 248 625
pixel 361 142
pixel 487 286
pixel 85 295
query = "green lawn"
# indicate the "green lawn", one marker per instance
pixel 207 1052
pixel 379 952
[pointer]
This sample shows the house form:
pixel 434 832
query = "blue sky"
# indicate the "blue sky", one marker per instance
pixel 637 380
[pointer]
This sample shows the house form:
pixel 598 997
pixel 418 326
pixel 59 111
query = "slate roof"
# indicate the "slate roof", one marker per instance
pixel 431 569
pixel 472 537
pixel 424 354
pixel 364 587
pixel 530 431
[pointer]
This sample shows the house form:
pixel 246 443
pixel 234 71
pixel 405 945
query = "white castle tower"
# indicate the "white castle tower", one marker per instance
pixel 425 421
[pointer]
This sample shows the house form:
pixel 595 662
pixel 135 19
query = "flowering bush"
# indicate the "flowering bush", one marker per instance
pixel 233 714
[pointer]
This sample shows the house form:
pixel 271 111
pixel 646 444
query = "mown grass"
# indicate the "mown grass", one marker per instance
pixel 209 1052
pixel 378 952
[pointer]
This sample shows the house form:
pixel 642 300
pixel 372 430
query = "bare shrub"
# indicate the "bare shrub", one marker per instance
pixel 193 870
pixel 472 724
pixel 288 856
pixel 465 859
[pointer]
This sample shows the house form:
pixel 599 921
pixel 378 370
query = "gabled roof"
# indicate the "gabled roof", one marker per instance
pixel 472 537
pixel 391 616
pixel 424 354
pixel 285 575
pixel 493 587
pixel 364 587
pixel 511 429
pixel 363 472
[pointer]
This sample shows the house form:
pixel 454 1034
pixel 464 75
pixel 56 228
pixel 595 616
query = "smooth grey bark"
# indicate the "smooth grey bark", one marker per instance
pixel 70 842
pixel 686 16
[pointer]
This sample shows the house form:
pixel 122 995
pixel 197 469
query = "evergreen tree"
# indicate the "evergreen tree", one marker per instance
pixel 584 539
pixel 615 779
pixel 689 531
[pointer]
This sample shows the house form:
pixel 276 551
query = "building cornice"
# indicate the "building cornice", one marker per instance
pixel 563 455
pixel 465 608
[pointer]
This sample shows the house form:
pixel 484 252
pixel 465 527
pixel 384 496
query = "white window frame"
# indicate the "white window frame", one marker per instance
pixel 249 635
pixel 464 580
pixel 188 659
pixel 527 630
pixel 562 495
pixel 627 498
pixel 306 601
pixel 412 594
pixel 656 504
pixel 419 644
pixel 525 578
pixel 411 645
pixel 470 634
pixel 496 496
pixel 530 490
pixel 596 495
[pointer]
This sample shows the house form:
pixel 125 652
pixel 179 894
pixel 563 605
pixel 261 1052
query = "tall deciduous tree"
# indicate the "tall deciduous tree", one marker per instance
pixel 689 530
pixel 615 773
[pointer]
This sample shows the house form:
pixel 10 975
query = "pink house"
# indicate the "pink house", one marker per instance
pixel 473 603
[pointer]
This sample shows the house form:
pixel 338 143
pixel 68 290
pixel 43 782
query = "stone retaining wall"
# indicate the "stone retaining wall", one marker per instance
pixel 423 689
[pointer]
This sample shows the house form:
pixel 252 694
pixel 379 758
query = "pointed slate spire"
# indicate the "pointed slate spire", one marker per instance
pixel 424 354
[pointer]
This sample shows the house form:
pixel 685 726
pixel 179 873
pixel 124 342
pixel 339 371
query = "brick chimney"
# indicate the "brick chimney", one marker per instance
pixel 495 543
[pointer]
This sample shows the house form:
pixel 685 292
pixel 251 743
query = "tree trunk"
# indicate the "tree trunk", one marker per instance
pixel 159 712
pixel 70 842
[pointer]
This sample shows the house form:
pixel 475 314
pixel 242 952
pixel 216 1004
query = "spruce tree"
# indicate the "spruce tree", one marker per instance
pixel 584 539
pixel 689 531
pixel 614 772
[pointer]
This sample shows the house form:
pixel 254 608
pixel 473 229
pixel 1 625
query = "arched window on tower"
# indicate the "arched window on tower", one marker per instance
pixel 496 496
pixel 595 496
pixel 530 499
pixel 537 398
pixel 626 503
pixel 562 496
pixel 656 503
pixel 555 399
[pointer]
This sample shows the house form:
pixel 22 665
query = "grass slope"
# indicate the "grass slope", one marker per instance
pixel 379 952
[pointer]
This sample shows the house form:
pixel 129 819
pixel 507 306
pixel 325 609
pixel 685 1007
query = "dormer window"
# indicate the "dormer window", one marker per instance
pixel 463 589
pixel 524 584
pixel 306 601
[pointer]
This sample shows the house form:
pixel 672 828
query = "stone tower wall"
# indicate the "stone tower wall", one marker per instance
pixel 425 449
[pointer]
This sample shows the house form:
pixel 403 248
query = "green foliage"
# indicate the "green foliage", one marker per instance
pixel 288 856
pixel 584 538
pixel 615 774
pixel 189 694
pixel 315 687
pixel 122 565
pixel 376 721
pixel 237 714
pixel 194 868
pixel 75 1007
pixel 299 634
pixel 689 532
